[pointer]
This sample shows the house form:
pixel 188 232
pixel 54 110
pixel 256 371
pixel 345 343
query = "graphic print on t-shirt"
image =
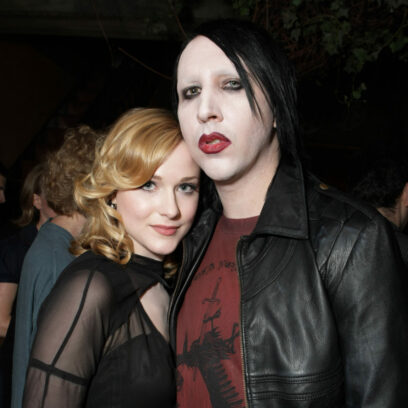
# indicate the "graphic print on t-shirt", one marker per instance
pixel 207 352
pixel 209 358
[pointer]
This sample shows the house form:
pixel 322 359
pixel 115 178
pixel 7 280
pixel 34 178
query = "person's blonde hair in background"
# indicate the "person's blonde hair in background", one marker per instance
pixel 123 162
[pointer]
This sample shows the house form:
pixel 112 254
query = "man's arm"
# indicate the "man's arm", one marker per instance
pixel 369 298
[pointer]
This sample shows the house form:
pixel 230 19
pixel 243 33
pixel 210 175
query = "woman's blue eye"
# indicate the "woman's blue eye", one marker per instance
pixel 188 188
pixel 149 186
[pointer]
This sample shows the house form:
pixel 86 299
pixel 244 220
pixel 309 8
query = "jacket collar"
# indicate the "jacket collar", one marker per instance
pixel 285 211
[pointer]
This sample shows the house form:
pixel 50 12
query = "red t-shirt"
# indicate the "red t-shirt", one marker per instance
pixel 209 363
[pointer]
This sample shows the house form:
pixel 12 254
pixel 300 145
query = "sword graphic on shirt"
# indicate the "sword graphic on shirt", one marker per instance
pixel 206 354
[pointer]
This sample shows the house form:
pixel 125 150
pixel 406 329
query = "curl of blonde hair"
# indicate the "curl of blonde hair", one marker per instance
pixel 137 144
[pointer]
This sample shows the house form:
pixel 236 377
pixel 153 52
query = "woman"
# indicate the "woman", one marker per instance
pixel 34 213
pixel 102 337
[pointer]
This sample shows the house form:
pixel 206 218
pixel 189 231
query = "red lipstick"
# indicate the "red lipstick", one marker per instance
pixel 165 230
pixel 213 143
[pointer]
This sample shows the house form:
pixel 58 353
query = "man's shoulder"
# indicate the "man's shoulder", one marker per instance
pixel 50 238
pixel 336 218
pixel 338 223
pixel 46 254
pixel 328 204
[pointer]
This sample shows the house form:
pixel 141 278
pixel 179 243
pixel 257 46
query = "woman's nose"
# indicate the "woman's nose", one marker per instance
pixel 169 205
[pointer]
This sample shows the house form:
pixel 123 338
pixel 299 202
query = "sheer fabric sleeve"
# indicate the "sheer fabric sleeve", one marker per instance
pixel 72 328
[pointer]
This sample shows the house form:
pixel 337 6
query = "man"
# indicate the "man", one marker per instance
pixel 49 253
pixel 290 294
pixel 385 186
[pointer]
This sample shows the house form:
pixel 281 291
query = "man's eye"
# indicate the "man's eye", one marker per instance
pixel 233 84
pixel 149 186
pixel 191 92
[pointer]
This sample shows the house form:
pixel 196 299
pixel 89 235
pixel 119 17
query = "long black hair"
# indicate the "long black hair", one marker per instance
pixel 254 53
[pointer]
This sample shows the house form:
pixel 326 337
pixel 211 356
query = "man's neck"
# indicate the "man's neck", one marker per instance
pixel 73 223
pixel 245 197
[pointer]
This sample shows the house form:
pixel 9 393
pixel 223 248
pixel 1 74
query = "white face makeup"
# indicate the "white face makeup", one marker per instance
pixel 224 136
pixel 158 215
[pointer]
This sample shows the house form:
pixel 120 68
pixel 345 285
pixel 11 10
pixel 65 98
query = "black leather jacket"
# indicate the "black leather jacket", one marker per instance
pixel 324 316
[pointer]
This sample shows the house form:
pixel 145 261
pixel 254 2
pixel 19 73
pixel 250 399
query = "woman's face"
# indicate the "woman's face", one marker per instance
pixel 225 137
pixel 158 215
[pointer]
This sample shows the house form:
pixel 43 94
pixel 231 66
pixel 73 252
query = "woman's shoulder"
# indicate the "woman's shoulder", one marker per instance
pixel 85 278
pixel 89 260
pixel 88 269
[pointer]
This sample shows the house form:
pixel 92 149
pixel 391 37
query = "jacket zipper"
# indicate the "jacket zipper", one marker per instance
pixel 240 322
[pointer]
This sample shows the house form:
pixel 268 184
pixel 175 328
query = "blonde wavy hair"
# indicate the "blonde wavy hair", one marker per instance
pixel 137 144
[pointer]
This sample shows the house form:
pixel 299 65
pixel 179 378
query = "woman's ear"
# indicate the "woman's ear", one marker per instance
pixel 112 201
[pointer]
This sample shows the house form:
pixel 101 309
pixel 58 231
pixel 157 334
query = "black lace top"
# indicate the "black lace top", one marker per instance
pixel 95 345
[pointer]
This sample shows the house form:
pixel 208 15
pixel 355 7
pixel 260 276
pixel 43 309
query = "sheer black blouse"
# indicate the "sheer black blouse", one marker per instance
pixel 95 345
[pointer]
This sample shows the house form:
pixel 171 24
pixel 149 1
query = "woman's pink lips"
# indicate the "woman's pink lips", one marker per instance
pixel 164 230
pixel 213 143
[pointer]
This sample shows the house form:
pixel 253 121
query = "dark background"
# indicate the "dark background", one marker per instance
pixel 63 63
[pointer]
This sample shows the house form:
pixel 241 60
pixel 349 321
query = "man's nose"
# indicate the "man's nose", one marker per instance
pixel 209 108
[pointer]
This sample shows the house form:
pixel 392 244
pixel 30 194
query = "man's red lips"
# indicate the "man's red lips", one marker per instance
pixel 213 143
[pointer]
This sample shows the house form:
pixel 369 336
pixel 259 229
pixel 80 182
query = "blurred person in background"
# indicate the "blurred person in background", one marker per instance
pixel 6 226
pixel 3 180
pixel 34 212
pixel 384 185
pixel 49 253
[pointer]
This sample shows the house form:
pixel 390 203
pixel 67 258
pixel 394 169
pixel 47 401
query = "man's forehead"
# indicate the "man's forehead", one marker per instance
pixel 202 52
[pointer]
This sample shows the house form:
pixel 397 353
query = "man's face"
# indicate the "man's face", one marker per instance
pixel 2 189
pixel 227 140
